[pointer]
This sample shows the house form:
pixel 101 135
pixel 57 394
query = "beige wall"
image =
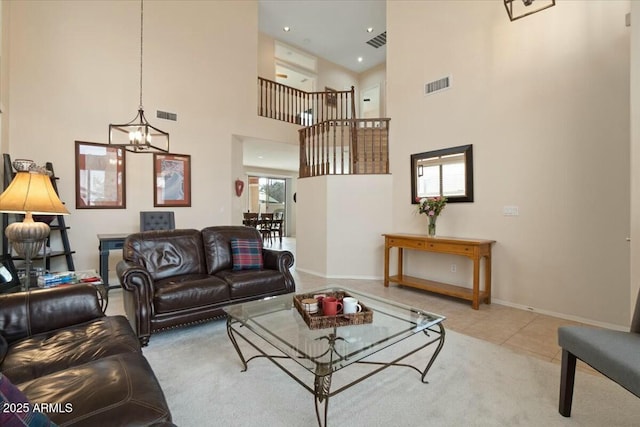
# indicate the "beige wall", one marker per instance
pixel 74 68
pixel 544 100
pixel 635 154
pixel 343 240
pixel 545 103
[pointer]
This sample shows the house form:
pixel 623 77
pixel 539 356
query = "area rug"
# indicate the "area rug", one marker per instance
pixel 472 383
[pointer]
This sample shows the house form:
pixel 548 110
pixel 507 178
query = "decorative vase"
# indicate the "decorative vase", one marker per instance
pixel 432 226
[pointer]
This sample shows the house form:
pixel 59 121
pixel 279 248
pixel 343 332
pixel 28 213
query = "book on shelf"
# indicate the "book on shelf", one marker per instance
pixel 69 277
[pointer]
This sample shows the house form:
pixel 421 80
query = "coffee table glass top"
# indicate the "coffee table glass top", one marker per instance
pixel 277 321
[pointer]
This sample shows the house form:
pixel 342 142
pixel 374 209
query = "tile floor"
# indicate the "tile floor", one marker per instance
pixel 522 331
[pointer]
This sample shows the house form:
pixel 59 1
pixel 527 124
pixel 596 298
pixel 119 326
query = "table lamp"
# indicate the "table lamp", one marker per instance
pixel 30 192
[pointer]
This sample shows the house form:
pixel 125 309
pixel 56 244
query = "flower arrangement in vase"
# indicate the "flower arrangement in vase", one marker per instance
pixel 431 207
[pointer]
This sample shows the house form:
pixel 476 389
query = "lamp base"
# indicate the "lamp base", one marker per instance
pixel 27 239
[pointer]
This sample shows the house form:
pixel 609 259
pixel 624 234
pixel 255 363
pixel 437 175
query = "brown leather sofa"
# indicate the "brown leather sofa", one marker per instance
pixel 62 350
pixel 179 277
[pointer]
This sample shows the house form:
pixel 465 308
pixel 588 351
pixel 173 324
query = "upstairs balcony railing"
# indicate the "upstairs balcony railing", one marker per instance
pixel 345 147
pixel 281 102
pixel 333 141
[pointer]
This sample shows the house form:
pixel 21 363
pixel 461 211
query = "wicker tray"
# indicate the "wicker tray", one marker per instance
pixel 319 320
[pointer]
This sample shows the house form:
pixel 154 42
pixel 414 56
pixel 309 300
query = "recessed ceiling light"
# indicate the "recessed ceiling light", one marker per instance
pixel 360 58
pixel 286 29
pixel 370 30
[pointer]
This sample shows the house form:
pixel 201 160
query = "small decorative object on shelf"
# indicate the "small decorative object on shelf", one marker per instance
pixel 431 207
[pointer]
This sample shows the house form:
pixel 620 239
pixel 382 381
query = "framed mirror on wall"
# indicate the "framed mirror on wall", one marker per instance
pixel 447 172
pixel 100 176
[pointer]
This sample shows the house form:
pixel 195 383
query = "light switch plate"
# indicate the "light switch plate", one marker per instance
pixel 510 211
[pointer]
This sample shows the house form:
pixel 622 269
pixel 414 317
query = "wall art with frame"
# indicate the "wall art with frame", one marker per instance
pixel 100 176
pixel 172 180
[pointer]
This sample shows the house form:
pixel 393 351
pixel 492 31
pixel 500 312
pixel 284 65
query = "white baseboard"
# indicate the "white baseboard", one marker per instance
pixel 562 315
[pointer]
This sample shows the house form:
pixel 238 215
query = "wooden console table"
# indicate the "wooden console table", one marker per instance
pixel 470 248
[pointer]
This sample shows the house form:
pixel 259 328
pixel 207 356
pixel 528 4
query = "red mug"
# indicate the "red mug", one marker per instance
pixel 331 306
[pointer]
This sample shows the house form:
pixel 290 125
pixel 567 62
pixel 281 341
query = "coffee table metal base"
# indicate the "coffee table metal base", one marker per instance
pixel 323 374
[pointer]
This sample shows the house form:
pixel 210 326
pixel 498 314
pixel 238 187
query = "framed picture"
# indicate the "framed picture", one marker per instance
pixel 172 180
pixel 100 176
pixel 9 280
pixel 332 100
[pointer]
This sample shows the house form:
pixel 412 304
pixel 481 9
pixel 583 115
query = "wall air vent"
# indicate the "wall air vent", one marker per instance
pixel 437 85
pixel 379 40
pixel 166 115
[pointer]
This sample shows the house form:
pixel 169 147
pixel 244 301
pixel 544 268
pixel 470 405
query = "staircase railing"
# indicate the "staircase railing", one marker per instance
pixel 345 147
pixel 281 102
pixel 333 141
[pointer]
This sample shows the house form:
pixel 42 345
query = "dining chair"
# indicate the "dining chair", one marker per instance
pixel 277 225
pixel 157 220
pixel 250 219
pixel 265 224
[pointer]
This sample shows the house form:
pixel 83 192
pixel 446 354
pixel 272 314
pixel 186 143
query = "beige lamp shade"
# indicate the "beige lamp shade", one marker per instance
pixel 31 192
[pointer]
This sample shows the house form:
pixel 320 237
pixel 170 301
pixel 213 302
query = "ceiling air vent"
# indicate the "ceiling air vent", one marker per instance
pixel 379 40
pixel 437 85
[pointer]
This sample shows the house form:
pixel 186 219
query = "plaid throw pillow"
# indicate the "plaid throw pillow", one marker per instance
pixel 17 411
pixel 247 254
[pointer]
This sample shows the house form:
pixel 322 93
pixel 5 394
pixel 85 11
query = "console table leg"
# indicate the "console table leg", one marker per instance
pixel 476 284
pixel 386 265
pixel 487 278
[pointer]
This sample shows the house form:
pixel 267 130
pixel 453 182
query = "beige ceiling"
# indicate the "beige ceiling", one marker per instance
pixel 331 29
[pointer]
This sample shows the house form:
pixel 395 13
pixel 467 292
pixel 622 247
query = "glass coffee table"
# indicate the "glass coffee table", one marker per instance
pixel 277 331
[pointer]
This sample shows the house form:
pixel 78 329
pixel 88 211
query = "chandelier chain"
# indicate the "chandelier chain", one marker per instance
pixel 141 44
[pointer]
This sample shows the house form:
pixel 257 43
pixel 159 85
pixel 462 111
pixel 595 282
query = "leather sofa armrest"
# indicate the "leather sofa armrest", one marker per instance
pixel 24 314
pixel 281 261
pixel 138 297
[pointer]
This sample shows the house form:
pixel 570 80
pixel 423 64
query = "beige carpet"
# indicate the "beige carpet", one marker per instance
pixel 472 383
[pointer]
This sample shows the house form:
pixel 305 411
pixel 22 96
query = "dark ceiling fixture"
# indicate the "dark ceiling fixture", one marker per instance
pixel 517 9
pixel 138 136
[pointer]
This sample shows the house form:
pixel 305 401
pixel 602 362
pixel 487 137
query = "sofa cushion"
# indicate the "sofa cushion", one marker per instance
pixel 247 254
pixel 217 245
pixel 119 390
pixel 166 253
pixel 252 283
pixel 187 291
pixel 59 349
pixel 16 410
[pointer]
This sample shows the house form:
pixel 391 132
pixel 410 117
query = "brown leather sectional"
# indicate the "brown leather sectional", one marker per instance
pixel 179 277
pixel 63 352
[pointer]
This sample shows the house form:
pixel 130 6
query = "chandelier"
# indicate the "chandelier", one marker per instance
pixel 139 136
pixel 517 9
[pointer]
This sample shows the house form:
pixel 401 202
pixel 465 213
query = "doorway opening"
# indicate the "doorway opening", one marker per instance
pixel 268 195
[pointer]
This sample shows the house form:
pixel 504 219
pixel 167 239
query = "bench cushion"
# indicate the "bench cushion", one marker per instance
pixel 615 354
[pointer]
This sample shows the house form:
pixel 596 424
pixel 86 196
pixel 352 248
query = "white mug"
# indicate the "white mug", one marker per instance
pixel 310 305
pixel 350 305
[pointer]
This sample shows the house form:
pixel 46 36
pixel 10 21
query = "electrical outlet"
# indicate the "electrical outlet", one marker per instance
pixel 454 268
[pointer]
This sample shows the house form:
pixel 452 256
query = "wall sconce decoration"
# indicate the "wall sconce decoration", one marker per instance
pixel 239 187
pixel 517 9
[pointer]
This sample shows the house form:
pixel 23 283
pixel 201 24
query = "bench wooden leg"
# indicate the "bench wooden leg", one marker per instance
pixel 567 378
